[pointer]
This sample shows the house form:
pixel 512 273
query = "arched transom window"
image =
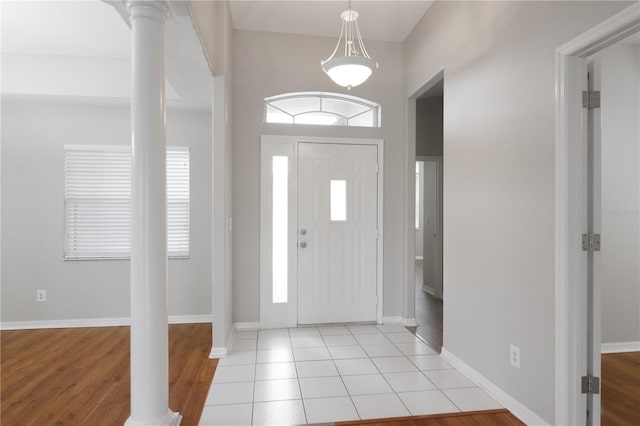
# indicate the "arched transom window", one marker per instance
pixel 321 108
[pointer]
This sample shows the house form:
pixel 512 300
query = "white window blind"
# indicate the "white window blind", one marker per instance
pixel 97 202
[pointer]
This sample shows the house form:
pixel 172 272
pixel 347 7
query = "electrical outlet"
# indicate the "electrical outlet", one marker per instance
pixel 41 295
pixel 515 356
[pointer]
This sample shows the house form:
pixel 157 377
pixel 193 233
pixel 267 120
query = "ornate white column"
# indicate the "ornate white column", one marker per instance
pixel 149 313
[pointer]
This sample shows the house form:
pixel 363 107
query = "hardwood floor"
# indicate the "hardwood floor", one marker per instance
pixel 80 376
pixel 477 418
pixel 621 389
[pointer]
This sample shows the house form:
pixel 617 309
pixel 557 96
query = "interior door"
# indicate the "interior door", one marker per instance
pixel 594 221
pixel 337 233
pixel 614 178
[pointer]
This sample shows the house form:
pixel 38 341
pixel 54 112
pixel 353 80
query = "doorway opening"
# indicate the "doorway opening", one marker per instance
pixel 428 281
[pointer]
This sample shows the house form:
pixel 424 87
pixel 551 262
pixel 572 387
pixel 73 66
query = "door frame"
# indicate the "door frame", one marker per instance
pixel 439 219
pixel 272 316
pixel 408 296
pixel 571 209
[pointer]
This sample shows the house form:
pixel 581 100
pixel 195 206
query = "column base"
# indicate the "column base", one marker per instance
pixel 170 419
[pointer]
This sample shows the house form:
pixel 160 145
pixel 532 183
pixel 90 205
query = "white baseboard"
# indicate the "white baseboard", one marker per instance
pixel 223 351
pixel 247 326
pixel 171 419
pixel 515 407
pixel 619 347
pixel 429 290
pixel 96 322
pixel 409 322
pixel 219 352
pixel 190 319
pixel 392 320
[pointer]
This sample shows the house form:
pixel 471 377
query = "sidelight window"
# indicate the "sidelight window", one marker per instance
pixel 280 227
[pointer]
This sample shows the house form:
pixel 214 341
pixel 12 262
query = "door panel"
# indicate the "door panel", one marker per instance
pixel 593 258
pixel 337 235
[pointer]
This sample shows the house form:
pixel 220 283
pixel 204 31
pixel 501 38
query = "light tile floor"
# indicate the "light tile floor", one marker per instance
pixel 327 374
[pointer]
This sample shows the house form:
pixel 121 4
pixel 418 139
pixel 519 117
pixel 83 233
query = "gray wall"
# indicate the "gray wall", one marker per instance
pixel 499 142
pixel 429 126
pixel 33 136
pixel 267 64
pixel 620 135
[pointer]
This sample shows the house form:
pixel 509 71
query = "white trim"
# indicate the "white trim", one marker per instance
pixel 408 234
pixel 273 140
pixel 409 322
pixel 223 351
pixel 429 290
pixel 189 319
pixel 620 347
pixel 171 419
pixel 514 406
pixel 247 326
pixel 96 322
pixel 570 217
pixel 608 32
pixel 393 320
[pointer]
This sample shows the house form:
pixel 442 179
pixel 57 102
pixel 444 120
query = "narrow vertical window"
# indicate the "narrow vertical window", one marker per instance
pixel 338 195
pixel 280 227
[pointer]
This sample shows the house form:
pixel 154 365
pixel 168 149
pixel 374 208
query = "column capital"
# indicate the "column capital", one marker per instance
pixel 147 9
pixel 151 9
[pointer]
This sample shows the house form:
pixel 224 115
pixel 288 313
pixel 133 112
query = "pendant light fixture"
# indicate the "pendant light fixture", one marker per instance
pixel 355 67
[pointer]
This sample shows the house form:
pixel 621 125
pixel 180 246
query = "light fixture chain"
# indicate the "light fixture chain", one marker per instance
pixel 337 45
pixel 356 65
pixel 361 43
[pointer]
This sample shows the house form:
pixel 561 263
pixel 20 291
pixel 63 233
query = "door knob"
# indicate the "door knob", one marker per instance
pixel 303 232
pixel 303 244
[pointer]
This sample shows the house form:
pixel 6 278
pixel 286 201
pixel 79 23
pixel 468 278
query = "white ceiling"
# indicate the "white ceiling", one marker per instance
pixel 385 20
pixel 82 49
pixel 69 28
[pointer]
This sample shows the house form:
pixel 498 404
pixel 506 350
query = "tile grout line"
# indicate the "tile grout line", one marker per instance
pixel 295 366
pixel 387 381
pixel 403 355
pixel 255 373
pixel 342 380
pixel 422 372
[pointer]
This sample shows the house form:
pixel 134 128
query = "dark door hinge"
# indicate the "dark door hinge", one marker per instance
pixel 590 242
pixel 590 384
pixel 591 99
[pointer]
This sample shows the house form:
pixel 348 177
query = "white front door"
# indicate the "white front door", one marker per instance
pixel 337 233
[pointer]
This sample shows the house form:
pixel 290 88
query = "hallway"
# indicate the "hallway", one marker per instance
pixel 428 313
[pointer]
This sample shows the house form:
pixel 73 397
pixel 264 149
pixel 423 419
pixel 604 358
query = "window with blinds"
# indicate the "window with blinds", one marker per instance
pixel 97 202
